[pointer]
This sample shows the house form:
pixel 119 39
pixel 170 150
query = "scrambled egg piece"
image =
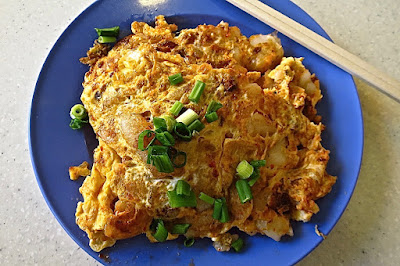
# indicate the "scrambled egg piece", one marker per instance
pixel 77 171
pixel 268 113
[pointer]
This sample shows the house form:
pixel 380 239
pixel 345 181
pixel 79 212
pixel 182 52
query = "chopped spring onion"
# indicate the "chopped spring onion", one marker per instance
pixel 113 32
pixel 196 126
pixel 182 188
pixel 154 223
pixel 147 135
pixel 182 131
pixel 161 233
pixel 213 106
pixel 224 212
pixel 180 229
pixel 77 123
pixel 175 79
pixel 244 170
pixel 217 209
pixel 160 123
pixel 156 150
pixel 176 201
pixel 169 121
pixel 258 163
pixel 107 39
pixel 243 190
pixel 180 156
pixel 176 108
pixel 78 112
pixel 197 91
pixel 254 177
pixel 238 244
pixel 211 117
pixel 170 137
pixel 204 197
pixel 256 174
pixel 165 138
pixel 187 117
pixel 160 130
pixel 162 163
pixel 171 152
pixel 188 242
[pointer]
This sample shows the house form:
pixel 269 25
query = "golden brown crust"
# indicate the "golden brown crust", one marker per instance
pixel 264 117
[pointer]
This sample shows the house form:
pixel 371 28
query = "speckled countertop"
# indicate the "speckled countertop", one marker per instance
pixel 367 233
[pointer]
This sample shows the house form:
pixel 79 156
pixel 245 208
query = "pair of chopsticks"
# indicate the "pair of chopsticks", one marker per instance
pixel 321 46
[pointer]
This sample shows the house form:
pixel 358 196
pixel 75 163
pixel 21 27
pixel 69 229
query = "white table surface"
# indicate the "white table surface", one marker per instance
pixel 367 233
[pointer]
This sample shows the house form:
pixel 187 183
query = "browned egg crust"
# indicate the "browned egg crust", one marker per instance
pixel 268 114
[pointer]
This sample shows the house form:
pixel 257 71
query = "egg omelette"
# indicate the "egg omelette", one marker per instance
pixel 268 113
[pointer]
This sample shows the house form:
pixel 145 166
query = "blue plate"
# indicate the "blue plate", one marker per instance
pixel 55 147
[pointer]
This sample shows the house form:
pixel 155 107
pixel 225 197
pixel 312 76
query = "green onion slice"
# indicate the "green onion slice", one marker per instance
pixel 156 150
pixel 175 79
pixel 204 197
pixel 78 112
pixel 177 201
pixel 187 117
pixel 113 32
pixel 154 223
pixel 213 106
pixel 176 108
pixel 244 169
pixel 147 136
pixel 77 123
pixel 182 188
pixel 196 125
pixel 107 39
pixel 169 121
pixel 254 177
pixel 197 91
pixel 160 130
pixel 217 209
pixel 258 163
pixel 165 138
pixel 238 244
pixel 188 242
pixel 170 137
pixel 180 229
pixel 161 233
pixel 243 190
pixel 224 212
pixel 211 117
pixel 182 131
pixel 172 151
pixel 180 156
pixel 162 163
pixel 160 123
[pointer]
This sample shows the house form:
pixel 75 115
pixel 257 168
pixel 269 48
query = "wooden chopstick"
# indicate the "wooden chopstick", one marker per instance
pixel 321 46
